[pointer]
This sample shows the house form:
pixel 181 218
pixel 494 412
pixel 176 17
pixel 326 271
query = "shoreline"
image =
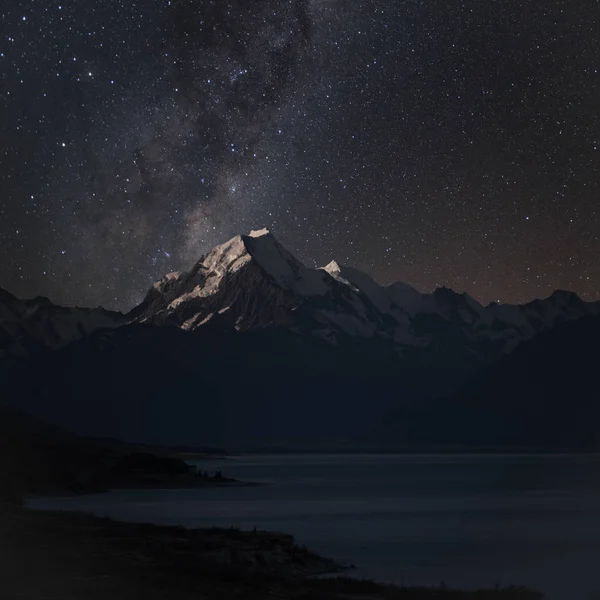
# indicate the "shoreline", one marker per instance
pixel 184 485
pixel 416 451
pixel 95 557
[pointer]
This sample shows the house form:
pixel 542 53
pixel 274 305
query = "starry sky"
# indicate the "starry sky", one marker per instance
pixel 451 143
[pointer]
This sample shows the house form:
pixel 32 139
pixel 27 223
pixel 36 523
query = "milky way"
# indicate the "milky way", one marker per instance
pixel 453 143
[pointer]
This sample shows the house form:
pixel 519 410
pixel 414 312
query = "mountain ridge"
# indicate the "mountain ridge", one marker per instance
pixel 37 325
pixel 252 283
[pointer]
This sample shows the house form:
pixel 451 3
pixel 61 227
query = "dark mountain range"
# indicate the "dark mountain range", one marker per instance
pixel 251 283
pixel 252 348
pixel 36 325
pixel 167 386
pixel 545 394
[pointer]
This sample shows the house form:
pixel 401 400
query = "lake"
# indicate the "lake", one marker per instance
pixel 466 520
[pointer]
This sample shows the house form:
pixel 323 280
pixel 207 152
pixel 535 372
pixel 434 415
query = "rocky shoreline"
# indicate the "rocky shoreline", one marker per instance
pixel 69 556
pixel 72 555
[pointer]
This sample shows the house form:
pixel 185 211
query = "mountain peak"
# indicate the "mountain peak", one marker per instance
pixel 250 278
pixel 565 294
pixel 259 233
pixel 336 271
pixel 445 292
pixel 332 267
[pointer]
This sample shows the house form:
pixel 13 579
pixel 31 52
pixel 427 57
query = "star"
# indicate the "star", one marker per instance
pixel 397 139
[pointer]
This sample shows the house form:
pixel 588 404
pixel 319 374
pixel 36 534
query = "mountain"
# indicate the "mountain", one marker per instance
pixel 30 326
pixel 252 283
pixel 505 323
pixel 545 394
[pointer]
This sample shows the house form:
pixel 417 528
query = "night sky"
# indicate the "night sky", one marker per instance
pixel 450 143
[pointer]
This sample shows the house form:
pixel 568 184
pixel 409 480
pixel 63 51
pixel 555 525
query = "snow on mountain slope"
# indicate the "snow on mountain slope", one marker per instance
pixel 528 320
pixel 442 301
pixel 363 283
pixel 381 300
pixel 35 325
pixel 509 324
pixel 285 270
pixel 334 269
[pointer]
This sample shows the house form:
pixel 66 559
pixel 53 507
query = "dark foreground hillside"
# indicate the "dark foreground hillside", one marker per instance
pixel 60 556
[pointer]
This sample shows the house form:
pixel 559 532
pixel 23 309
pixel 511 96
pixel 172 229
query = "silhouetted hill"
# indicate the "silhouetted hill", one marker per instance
pixel 219 387
pixel 546 394
pixel 36 458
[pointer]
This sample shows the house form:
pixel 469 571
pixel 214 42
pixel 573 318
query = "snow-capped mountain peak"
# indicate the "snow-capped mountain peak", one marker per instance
pixel 250 281
pixel 256 233
pixel 335 270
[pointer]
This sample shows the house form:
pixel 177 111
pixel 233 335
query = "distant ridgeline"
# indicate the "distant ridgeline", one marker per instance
pixel 251 348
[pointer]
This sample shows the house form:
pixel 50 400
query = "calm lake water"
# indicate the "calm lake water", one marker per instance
pixel 467 520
